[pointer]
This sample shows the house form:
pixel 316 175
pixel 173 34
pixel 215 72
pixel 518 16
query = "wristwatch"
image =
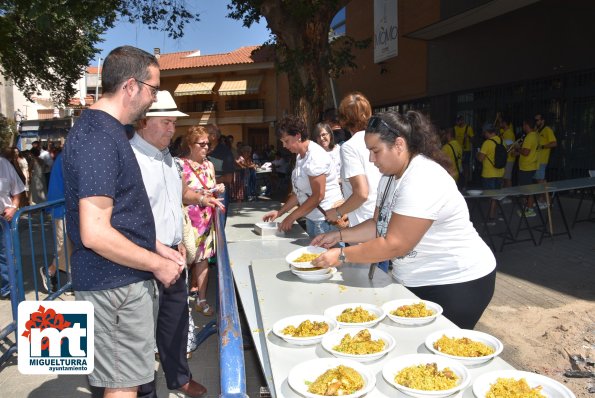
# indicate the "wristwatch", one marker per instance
pixel 342 256
pixel 339 215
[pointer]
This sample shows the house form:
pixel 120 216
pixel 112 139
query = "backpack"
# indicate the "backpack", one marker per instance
pixel 500 155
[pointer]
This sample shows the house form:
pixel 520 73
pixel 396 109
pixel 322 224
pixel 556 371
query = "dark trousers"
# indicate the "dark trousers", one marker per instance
pixel 463 303
pixel 172 336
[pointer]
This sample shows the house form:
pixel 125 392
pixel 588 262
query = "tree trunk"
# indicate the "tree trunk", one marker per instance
pixel 303 53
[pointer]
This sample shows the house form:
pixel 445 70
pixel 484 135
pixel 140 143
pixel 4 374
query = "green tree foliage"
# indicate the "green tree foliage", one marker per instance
pixel 300 30
pixel 7 133
pixel 47 44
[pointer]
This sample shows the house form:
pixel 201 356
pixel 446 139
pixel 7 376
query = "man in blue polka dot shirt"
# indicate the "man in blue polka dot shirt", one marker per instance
pixel 109 220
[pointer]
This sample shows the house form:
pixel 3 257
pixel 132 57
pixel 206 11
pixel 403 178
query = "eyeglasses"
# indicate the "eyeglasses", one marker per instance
pixel 154 89
pixel 375 124
pixel 202 144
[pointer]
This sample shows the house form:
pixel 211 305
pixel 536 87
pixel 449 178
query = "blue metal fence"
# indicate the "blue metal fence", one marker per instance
pixel 231 350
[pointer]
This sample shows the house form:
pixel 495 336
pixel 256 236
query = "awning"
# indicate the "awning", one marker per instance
pixel 194 88
pixel 247 85
pixel 473 16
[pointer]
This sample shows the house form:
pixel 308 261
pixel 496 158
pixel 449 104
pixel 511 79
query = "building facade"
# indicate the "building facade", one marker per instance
pixel 481 57
pixel 240 91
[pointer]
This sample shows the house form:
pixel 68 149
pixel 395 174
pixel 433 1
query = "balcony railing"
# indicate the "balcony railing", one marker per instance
pixel 199 106
pixel 242 105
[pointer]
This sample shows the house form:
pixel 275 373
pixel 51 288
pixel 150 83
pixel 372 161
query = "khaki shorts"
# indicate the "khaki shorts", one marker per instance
pixel 124 334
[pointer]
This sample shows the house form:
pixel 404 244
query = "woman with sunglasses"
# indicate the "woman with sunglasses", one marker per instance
pixel 314 179
pixel 421 222
pixel 199 174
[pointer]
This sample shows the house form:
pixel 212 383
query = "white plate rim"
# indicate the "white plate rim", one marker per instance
pixel 413 359
pixel 330 363
pixel 277 326
pixel 316 277
pixel 376 309
pixel 297 252
pixel 484 380
pixel 391 343
pixel 472 334
pixel 407 320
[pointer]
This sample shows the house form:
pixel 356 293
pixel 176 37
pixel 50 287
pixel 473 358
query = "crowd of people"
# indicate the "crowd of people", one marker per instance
pixel 140 210
pixel 501 156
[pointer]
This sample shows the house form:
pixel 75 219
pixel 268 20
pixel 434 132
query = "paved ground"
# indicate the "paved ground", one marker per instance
pixel 556 273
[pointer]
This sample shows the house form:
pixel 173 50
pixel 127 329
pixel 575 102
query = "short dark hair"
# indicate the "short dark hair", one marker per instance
pixel 125 62
pixel 293 125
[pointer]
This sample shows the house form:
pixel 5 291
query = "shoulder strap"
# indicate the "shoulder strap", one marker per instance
pixel 454 154
pixel 186 162
pixel 495 145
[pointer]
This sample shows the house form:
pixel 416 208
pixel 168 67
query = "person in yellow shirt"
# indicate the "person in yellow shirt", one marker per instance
pixel 547 141
pixel 509 141
pixel 453 150
pixel 528 161
pixel 464 135
pixel 490 175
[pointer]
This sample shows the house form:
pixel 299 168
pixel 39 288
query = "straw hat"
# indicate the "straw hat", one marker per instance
pixel 164 106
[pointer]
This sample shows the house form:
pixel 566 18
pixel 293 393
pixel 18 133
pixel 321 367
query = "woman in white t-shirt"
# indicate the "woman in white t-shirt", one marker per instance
pixel 323 136
pixel 314 180
pixel 421 222
pixel 359 175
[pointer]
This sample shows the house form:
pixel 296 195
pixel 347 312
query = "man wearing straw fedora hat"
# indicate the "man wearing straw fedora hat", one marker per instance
pixel 165 190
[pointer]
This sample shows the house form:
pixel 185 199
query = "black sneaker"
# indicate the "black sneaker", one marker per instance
pixel 53 280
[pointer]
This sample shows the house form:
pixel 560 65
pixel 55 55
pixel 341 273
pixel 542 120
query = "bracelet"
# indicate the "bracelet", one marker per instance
pixel 201 201
pixel 339 215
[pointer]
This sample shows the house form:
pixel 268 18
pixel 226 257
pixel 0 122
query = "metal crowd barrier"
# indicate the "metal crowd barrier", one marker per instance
pixel 231 350
pixel 30 242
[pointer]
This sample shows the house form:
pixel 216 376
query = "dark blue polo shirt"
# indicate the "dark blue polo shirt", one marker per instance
pixel 98 161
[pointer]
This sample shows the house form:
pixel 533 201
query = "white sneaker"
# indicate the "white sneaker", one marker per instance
pixel 543 205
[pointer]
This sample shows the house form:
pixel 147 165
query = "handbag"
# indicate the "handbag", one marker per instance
pixel 188 237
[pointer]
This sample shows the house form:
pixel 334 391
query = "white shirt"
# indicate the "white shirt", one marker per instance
pixel 316 162
pixel 47 160
pixel 451 251
pixel 10 184
pixel 336 156
pixel 355 161
pixel 164 188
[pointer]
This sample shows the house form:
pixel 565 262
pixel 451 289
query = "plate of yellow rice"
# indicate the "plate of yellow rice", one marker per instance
pixel 302 257
pixel 512 383
pixel 304 329
pixel 358 344
pixel 331 377
pixel 412 312
pixel 470 347
pixel 355 314
pixel 426 375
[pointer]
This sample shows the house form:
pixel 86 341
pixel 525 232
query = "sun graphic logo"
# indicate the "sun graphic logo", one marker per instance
pixel 55 337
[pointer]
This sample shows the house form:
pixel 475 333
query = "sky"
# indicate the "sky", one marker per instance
pixel 213 34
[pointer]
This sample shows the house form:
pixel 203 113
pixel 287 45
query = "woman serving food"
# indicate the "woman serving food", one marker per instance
pixel 421 222
pixel 314 179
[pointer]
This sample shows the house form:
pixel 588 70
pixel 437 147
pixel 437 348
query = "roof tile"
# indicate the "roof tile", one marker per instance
pixel 243 55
